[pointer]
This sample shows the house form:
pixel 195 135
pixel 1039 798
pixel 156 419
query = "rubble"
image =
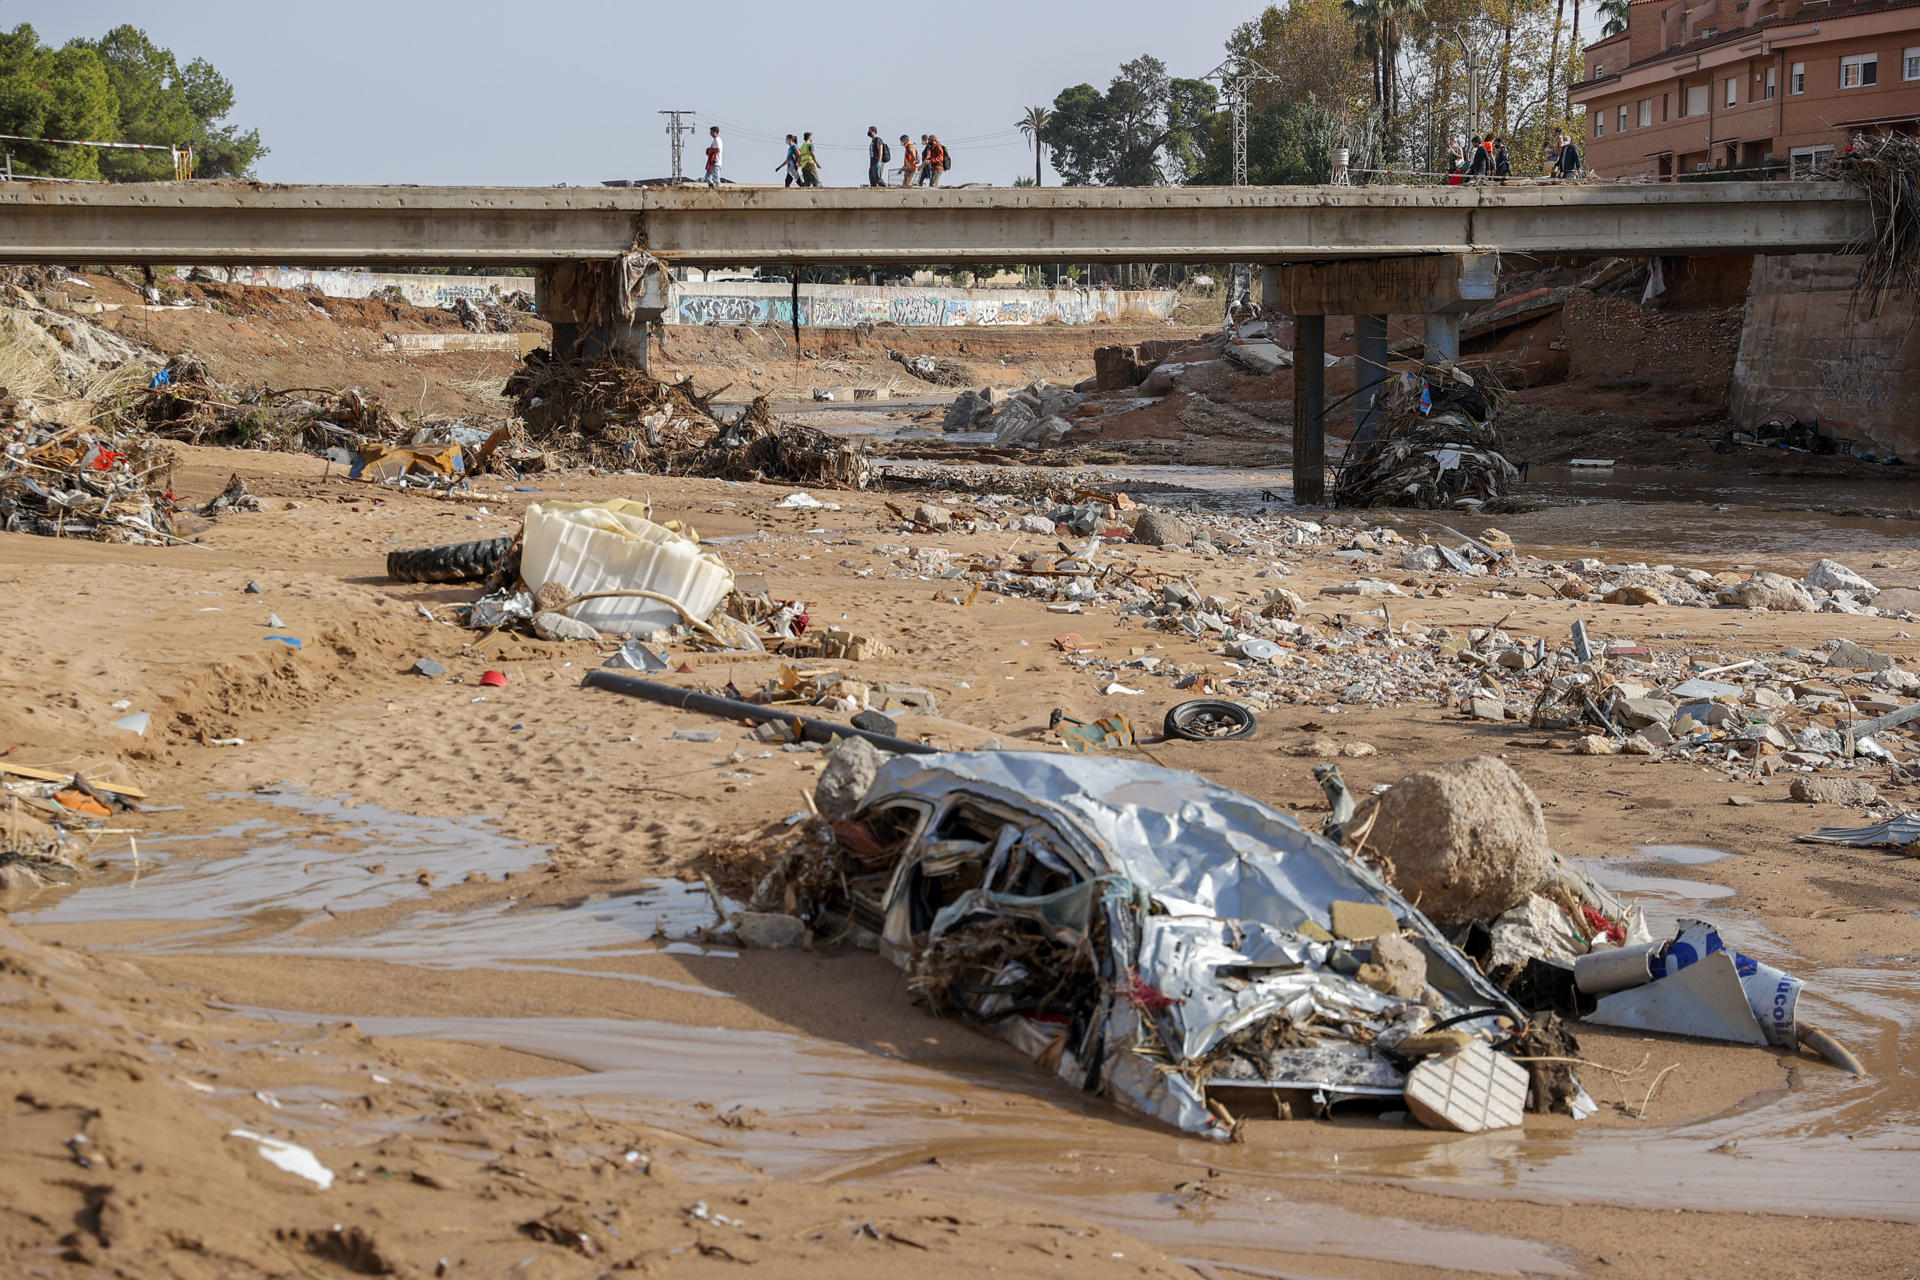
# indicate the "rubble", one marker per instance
pixel 95 482
pixel 1032 417
pixel 1434 444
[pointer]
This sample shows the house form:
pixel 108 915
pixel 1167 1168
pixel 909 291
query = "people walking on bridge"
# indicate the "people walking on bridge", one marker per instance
pixel 1502 162
pixel 809 162
pixel 792 163
pixel 713 156
pixel 1456 163
pixel 926 158
pixel 934 159
pixel 1566 159
pixel 910 161
pixel 878 154
pixel 1480 162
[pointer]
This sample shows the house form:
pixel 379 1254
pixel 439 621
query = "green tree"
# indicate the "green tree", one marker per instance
pixel 163 105
pixel 1288 144
pixel 1034 125
pixel 1615 13
pixel 54 93
pixel 1147 128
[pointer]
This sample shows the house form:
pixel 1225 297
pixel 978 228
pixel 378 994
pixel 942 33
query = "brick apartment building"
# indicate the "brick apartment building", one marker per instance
pixel 1695 85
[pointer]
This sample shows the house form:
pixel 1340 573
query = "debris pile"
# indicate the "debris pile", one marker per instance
pixel 1887 168
pixel 1434 445
pixel 1033 417
pixel 55 818
pixel 610 412
pixel 83 482
pixel 184 402
pixel 939 370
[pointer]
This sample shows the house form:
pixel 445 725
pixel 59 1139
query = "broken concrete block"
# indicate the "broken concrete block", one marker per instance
pixel 1634 593
pixel 769 930
pixel 1361 921
pixel 1162 529
pixel 1848 656
pixel 1397 968
pixel 889 697
pixel 1831 575
pixel 1855 793
pixel 1771 591
pixel 558 626
pixel 932 515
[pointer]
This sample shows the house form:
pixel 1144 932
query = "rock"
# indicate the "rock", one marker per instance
pixel 1036 524
pixel 1633 593
pixel 1426 1044
pixel 874 722
pixel 1639 712
pixel 968 410
pixel 1639 746
pixel 932 515
pixel 1161 529
pixel 1421 560
pixel 558 626
pixel 1466 840
pixel 1898 600
pixel 1279 602
pixel 1318 749
pixel 1895 680
pixel 1831 575
pixel 851 767
pixel 1358 750
pixel 1397 968
pixel 427 667
pixel 1487 709
pixel 1363 587
pixel 1496 539
pixel 1854 793
pixel 1849 656
pixel 1771 591
pixel 887 697
pixel 18 877
pixel 769 930
pixel 1594 745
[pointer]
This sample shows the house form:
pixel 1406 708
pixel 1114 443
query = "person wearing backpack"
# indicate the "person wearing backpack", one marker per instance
pixel 878 154
pixel 910 161
pixel 938 161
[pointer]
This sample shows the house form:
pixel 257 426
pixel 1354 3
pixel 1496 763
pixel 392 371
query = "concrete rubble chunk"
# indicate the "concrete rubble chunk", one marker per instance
pixel 851 767
pixel 1260 357
pixel 1466 840
pixel 933 515
pixel 1397 968
pixel 558 626
pixel 1036 524
pixel 769 930
pixel 1162 529
pixel 1898 600
pixel 1639 712
pixel 1773 592
pixel 1855 793
pixel 1848 656
pixel 1831 575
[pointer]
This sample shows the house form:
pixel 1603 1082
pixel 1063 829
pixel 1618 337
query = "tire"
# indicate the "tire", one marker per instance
pixel 449 562
pixel 1209 720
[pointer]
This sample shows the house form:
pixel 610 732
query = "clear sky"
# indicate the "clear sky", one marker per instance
pixel 487 91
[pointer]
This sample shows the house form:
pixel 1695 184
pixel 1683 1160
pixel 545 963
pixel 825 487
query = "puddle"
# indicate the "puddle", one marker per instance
pixel 1634 884
pixel 345 857
pixel 1685 855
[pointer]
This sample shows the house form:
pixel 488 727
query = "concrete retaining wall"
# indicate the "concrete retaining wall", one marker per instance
pixel 824 306
pixel 1804 354
pixel 346 282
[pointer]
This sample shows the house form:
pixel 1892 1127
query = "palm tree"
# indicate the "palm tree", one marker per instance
pixel 1034 125
pixel 1615 13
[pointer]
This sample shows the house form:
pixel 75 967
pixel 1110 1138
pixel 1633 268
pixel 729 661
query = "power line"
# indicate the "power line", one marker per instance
pixel 676 135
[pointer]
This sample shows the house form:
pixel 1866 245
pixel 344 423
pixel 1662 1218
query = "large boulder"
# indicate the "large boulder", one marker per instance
pixel 1162 529
pixel 1831 575
pixel 851 767
pixel 1466 841
pixel 1774 592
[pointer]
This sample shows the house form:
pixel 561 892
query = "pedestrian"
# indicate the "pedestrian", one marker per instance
pixel 936 158
pixel 910 166
pixel 809 162
pixel 1482 158
pixel 926 158
pixel 878 153
pixel 1566 159
pixel 792 163
pixel 1502 162
pixel 713 156
pixel 1456 163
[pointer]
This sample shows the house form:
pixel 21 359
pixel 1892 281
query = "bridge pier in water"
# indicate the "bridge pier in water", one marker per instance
pixel 1438 286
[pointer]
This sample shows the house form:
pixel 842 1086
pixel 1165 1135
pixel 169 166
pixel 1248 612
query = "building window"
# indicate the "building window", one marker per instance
pixel 1733 91
pixel 1766 94
pixel 1696 100
pixel 1623 121
pixel 1646 112
pixel 1859 71
pixel 1912 64
pixel 1600 124
pixel 1802 161
pixel 1663 107
pixel 1797 78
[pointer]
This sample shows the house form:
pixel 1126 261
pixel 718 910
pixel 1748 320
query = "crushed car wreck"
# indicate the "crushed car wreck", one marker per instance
pixel 1157 938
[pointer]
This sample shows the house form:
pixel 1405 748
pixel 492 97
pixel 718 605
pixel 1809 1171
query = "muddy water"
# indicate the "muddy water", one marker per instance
pixel 804 1106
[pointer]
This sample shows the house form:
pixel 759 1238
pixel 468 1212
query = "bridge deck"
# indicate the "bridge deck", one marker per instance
pixel 236 223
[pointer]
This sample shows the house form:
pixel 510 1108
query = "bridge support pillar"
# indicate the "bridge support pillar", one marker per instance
pixel 1309 409
pixel 1272 301
pixel 1369 372
pixel 601 308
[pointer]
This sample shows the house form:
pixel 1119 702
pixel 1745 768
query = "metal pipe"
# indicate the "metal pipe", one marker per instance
pixel 810 729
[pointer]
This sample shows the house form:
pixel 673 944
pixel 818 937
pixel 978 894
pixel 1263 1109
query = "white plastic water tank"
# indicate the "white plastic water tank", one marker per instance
pixel 613 546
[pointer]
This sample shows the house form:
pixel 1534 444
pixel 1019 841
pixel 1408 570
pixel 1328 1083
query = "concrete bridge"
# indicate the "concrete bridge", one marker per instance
pixel 1368 252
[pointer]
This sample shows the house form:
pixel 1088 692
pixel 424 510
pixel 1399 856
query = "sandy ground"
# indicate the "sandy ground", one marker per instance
pixel 416 925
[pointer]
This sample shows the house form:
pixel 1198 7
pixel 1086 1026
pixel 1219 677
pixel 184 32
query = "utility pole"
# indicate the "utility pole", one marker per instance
pixel 1236 85
pixel 676 133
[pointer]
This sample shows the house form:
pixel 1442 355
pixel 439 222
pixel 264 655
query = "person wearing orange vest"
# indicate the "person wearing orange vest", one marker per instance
pixel 935 157
pixel 910 161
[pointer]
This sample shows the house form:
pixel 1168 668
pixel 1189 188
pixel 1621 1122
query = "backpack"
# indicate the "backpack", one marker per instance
pixel 946 157
pixel 886 154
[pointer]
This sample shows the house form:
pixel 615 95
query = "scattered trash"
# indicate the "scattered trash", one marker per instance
pixel 1209 720
pixel 493 679
pixel 1468 1091
pixel 1108 733
pixel 616 570
pixel 634 656
pixel 805 502
pixel 1434 444
pixel 291 642
pixel 135 723
pixel 1896 833
pixel 295 1159
pixel 427 667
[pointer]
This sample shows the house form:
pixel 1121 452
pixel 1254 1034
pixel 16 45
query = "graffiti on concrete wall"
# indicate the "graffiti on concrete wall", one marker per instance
pixel 1858 379
pixel 848 306
pixel 420 290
